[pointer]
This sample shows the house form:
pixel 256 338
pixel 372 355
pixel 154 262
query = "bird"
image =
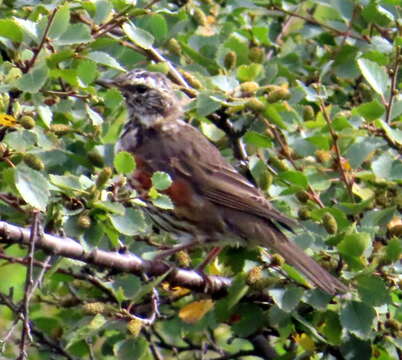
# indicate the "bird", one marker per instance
pixel 213 203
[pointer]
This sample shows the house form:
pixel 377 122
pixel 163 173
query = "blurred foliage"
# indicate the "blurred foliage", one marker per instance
pixel 311 87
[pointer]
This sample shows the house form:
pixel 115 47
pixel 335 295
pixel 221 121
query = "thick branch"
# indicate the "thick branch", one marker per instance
pixel 128 263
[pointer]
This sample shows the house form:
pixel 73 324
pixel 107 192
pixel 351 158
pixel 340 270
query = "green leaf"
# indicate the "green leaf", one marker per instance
pixel 61 22
pixel 33 81
pixel 206 104
pixel 287 299
pixel 249 72
pixel 372 290
pixel 138 36
pixel 32 186
pixel 29 27
pixel 354 244
pixel 75 34
pixel 374 12
pixel 108 206
pixel 103 58
pixel 161 180
pixel 211 131
pixel 358 318
pixel 394 134
pixel 10 30
pixel 382 166
pixel 295 178
pixel 124 162
pixel 158 26
pixel 375 75
pixel 86 71
pixel 66 182
pixel 163 201
pixel 202 60
pixel 393 250
pixel 132 349
pixel 371 111
pixel 257 139
pixel 45 114
pixel 236 292
pixel 251 319
pixel 95 118
pixel 130 224
pixel 20 140
pixel 224 82
pixel 103 9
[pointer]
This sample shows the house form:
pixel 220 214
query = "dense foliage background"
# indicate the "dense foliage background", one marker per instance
pixel 302 96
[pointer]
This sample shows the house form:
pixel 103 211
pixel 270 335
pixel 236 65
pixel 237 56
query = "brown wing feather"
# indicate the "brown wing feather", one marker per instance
pixel 217 180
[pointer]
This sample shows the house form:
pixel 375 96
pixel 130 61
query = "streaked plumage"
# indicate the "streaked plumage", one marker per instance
pixel 213 202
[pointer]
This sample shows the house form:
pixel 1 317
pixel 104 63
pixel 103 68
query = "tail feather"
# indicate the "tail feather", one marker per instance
pixel 296 257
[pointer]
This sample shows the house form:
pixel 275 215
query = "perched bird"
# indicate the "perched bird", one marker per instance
pixel 213 203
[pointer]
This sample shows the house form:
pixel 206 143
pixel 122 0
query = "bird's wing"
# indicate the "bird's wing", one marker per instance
pixel 218 181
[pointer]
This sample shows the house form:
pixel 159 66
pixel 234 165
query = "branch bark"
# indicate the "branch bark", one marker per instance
pixel 128 263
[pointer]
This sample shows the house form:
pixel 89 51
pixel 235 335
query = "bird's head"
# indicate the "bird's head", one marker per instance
pixel 149 96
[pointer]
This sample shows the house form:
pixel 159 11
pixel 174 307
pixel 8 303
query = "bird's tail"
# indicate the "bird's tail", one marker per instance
pixel 296 257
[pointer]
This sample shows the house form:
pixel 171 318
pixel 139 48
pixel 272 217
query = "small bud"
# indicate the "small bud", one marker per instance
pixel 257 54
pixel 183 258
pixel 200 17
pixel 4 102
pixel 103 177
pixel 174 47
pixel 135 326
pixel 277 260
pixel 323 156
pixel 50 101
pixel 255 105
pixel 304 213
pixel 27 122
pixel 94 308
pixel 308 113
pixel 33 162
pixel 192 80
pixel 96 158
pixel 84 221
pixel 277 95
pixel 394 227
pixel 13 74
pixel 270 88
pixel 392 324
pixel 3 150
pixel 254 275
pixel 381 199
pixel 249 87
pixel 302 196
pixel 230 60
pixel 277 163
pixel 60 129
pixel 330 224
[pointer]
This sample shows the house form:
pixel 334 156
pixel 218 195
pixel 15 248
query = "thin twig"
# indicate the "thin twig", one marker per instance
pixel 110 296
pixel 394 83
pixel 26 331
pixel 325 26
pixel 42 42
pixel 280 139
pixel 334 136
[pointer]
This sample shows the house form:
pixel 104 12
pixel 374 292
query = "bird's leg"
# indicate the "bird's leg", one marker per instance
pixel 200 268
pixel 176 249
pixel 210 257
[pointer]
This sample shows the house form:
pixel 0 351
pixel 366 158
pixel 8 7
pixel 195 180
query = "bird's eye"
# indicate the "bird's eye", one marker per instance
pixel 137 88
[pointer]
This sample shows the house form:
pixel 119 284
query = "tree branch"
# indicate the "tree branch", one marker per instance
pixel 128 263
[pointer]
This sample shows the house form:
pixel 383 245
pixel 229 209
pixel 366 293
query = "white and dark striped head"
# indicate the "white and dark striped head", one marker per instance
pixel 149 96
